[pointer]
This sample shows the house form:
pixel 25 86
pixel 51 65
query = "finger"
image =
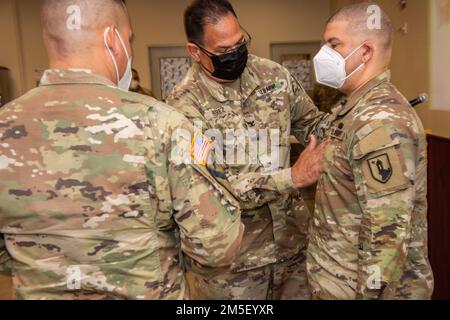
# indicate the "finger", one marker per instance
pixel 312 142
pixel 325 144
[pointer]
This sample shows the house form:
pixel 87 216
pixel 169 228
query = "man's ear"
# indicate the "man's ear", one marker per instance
pixel 368 51
pixel 111 40
pixel 194 51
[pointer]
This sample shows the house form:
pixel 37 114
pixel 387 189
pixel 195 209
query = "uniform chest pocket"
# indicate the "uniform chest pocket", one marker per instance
pixel 336 159
pixel 224 116
pixel 380 164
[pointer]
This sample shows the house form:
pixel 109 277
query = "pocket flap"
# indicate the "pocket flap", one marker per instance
pixel 377 140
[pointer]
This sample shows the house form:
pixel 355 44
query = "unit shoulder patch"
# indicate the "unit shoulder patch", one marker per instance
pixel 381 168
pixel 383 172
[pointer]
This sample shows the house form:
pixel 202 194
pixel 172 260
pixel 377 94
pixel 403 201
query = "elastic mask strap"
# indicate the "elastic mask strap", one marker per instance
pixel 357 69
pixel 112 56
pixel 353 52
pixel 123 44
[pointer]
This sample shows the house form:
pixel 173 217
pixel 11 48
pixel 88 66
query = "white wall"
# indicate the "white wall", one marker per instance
pixel 440 54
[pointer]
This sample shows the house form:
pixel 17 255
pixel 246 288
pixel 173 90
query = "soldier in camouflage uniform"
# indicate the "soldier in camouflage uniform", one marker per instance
pixel 96 200
pixel 368 237
pixel 271 263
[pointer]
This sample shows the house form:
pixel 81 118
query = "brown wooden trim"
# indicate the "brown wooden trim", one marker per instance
pixel 439 213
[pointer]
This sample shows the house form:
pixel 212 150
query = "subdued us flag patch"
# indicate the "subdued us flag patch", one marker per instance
pixel 200 148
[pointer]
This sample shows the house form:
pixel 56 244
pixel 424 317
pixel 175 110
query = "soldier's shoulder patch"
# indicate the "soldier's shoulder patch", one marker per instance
pixel 379 159
pixel 381 168
pixel 383 172
pixel 200 148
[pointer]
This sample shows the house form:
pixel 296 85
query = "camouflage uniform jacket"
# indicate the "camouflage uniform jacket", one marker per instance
pixel 95 204
pixel 368 237
pixel 266 97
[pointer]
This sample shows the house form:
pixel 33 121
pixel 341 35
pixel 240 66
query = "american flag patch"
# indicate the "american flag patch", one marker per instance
pixel 200 148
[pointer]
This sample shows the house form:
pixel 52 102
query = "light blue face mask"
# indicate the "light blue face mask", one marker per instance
pixel 330 67
pixel 124 82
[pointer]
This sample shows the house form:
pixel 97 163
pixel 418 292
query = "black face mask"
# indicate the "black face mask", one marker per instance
pixel 229 66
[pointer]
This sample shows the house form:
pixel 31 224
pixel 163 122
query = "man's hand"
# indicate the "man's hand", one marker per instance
pixel 309 166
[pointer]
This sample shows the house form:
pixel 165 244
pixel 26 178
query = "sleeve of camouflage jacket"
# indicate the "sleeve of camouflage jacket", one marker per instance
pixel 207 215
pixel 306 120
pixel 305 116
pixel 257 189
pixel 253 190
pixel 384 165
pixel 5 259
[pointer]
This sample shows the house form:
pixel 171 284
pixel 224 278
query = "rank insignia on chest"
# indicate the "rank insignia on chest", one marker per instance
pixel 338 133
pixel 200 148
pixel 381 168
pixel 217 112
pixel 267 89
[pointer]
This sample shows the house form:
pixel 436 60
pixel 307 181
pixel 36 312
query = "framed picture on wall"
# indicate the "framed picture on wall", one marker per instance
pixel 172 71
pixel 297 58
pixel 168 66
pixel 300 66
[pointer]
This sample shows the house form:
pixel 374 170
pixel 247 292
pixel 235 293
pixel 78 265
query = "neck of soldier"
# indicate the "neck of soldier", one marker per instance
pixel 361 78
pixel 92 64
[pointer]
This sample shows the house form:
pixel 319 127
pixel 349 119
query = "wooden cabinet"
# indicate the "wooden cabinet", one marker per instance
pixel 4 86
pixel 439 213
pixel 5 288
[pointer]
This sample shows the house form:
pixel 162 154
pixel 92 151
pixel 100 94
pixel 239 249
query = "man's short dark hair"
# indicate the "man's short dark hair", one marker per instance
pixel 357 15
pixel 203 12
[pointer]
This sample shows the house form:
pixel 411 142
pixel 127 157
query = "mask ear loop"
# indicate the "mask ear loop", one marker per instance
pixel 353 52
pixel 110 53
pixel 123 44
pixel 357 69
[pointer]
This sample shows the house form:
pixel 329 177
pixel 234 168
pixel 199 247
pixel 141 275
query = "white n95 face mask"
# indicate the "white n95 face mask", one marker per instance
pixel 330 67
pixel 124 82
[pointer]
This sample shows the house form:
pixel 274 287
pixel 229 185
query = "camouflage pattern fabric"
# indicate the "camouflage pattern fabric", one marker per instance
pixel 281 281
pixel 5 259
pixel 266 98
pixel 368 237
pixel 94 202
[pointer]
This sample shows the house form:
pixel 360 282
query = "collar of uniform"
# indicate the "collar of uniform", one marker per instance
pixel 353 100
pixel 222 93
pixel 73 76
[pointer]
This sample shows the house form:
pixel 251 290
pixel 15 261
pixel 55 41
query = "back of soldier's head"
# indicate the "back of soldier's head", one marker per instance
pixel 75 26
